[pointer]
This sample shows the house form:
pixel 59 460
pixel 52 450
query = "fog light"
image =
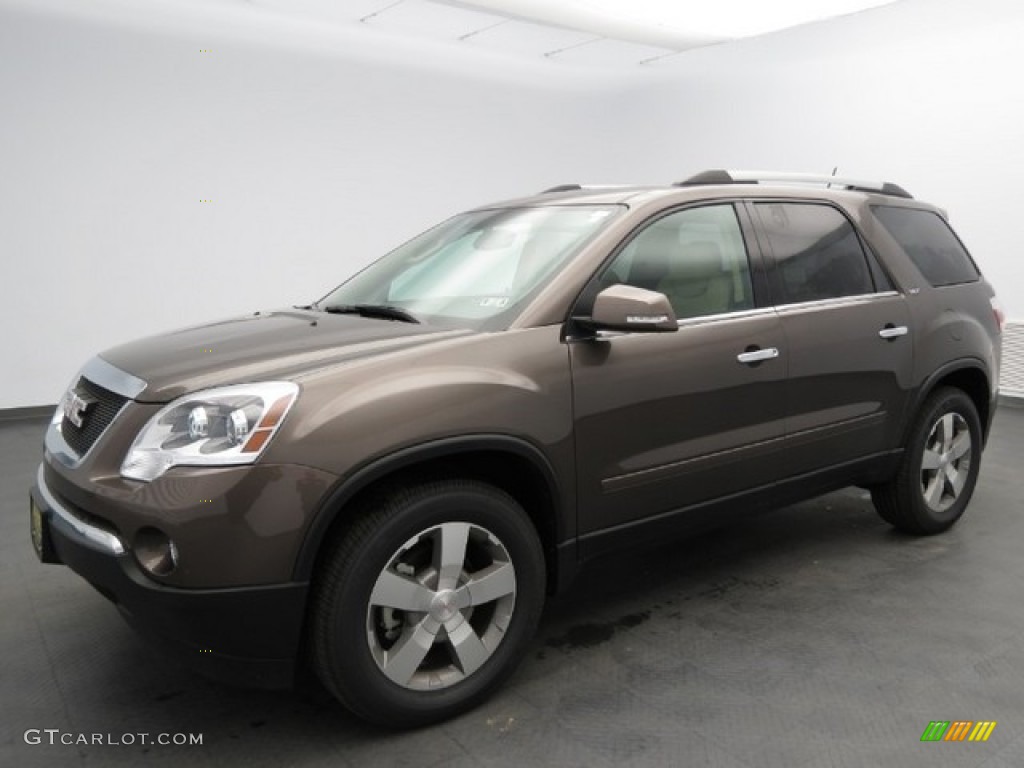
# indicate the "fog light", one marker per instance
pixel 155 552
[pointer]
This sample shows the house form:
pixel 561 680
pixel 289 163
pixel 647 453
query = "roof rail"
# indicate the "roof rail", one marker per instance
pixel 590 187
pixel 719 176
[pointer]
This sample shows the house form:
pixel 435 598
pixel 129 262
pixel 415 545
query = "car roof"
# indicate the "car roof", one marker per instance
pixel 581 195
pixel 722 184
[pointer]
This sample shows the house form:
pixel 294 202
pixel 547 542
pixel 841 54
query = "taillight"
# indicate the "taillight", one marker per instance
pixel 997 310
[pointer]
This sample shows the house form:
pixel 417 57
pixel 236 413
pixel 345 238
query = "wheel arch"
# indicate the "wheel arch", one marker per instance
pixel 512 464
pixel 969 376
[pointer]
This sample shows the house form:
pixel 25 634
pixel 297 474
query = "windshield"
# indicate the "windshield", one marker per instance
pixel 477 269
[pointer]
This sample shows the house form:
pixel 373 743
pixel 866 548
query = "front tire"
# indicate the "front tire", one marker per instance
pixel 428 602
pixel 939 469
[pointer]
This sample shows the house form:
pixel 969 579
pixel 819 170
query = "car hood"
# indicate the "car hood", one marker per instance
pixel 280 344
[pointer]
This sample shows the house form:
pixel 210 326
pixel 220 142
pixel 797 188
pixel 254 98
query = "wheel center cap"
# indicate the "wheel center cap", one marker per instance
pixel 442 607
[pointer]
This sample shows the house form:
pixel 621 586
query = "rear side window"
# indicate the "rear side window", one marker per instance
pixel 930 244
pixel 817 252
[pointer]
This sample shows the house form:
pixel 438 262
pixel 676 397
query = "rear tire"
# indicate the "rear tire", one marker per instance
pixel 939 469
pixel 427 603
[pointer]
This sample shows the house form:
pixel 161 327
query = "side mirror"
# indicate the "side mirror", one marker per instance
pixel 631 309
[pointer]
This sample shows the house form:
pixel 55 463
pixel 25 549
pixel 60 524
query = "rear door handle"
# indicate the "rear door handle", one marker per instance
pixel 891 331
pixel 754 356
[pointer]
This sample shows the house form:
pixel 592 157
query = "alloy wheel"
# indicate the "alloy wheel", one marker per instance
pixel 946 463
pixel 441 606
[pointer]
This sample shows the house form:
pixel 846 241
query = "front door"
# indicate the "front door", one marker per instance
pixel 668 420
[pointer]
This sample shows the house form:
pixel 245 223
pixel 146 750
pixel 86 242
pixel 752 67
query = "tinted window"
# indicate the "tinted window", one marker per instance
pixel 817 252
pixel 696 257
pixel 882 281
pixel 930 244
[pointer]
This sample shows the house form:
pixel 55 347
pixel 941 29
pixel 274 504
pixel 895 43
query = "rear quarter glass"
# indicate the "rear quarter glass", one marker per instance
pixel 930 244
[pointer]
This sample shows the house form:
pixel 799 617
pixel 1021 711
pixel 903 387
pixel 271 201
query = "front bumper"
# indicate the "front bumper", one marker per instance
pixel 248 634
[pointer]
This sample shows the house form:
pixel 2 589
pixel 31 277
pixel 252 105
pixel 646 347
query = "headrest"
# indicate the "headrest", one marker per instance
pixel 699 259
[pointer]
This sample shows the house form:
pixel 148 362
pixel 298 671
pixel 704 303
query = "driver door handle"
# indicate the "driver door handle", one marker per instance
pixel 893 331
pixel 754 356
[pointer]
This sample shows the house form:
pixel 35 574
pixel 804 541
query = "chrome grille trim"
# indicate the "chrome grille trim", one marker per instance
pixel 113 389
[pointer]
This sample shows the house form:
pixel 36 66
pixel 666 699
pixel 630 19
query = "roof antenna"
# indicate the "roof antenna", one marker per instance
pixel 836 168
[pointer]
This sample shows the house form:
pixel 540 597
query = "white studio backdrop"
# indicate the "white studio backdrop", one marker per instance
pixel 314 163
pixel 924 93
pixel 319 150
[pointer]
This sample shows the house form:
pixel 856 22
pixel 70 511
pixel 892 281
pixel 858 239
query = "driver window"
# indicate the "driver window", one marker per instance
pixel 696 257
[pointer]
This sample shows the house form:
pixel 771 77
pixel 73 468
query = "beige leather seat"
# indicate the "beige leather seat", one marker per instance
pixel 696 284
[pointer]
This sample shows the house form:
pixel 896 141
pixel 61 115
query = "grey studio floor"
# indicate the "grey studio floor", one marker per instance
pixel 811 636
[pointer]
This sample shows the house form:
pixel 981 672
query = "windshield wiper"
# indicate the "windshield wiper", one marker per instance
pixel 382 311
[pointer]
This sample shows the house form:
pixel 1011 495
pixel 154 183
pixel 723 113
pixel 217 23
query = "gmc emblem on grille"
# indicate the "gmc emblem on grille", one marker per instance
pixel 76 405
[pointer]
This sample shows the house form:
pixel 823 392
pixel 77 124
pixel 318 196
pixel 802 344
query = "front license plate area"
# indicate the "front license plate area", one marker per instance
pixel 40 533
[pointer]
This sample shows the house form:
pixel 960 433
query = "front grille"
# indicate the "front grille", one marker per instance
pixel 96 419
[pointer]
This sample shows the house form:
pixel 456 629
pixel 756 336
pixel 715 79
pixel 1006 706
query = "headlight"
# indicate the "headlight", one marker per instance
pixel 216 427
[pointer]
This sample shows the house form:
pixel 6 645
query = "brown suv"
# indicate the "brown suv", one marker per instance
pixel 388 481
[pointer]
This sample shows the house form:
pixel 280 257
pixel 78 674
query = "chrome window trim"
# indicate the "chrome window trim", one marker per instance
pixel 739 314
pixel 780 309
pixel 685 322
pixel 103 540
pixel 840 301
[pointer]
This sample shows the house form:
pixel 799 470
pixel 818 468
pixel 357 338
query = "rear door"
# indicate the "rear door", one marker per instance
pixel 668 420
pixel 847 331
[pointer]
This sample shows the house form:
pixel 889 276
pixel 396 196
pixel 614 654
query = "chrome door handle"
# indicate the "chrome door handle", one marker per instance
pixel 893 331
pixel 757 355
